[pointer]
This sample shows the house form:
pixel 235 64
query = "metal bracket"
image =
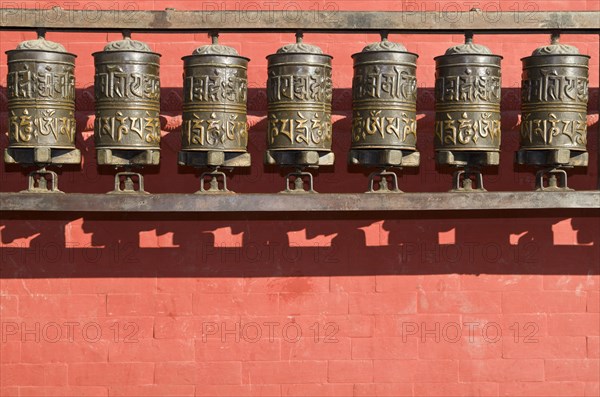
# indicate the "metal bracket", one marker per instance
pixel 383 182
pixel 38 183
pixel 462 181
pixel 214 182
pixel 298 183
pixel 557 180
pixel 127 179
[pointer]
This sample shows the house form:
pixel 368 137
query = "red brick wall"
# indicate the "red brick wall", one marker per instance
pixel 417 304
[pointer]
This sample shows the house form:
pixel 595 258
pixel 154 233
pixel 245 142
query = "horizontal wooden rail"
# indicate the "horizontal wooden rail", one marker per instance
pixel 319 202
pixel 248 19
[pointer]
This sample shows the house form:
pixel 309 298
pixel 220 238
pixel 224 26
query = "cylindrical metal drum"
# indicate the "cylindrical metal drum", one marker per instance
pixel 554 96
pixel 384 96
pixel 215 91
pixel 467 93
pixel 127 91
pixel 41 104
pixel 299 93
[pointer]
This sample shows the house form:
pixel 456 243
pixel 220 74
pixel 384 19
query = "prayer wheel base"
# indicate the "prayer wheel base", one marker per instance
pixel 203 159
pixel 299 158
pixel 41 155
pixel 553 157
pixel 384 157
pixel 129 157
pixel 467 158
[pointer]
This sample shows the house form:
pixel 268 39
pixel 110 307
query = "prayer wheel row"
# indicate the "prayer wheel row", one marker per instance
pixel 467 131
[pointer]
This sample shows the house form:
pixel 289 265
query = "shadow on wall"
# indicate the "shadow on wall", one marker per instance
pixel 194 245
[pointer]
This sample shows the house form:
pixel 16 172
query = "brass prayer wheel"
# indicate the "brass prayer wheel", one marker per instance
pixel 41 109
pixel 299 95
pixel 384 104
pixel 299 92
pixel 467 106
pixel 127 92
pixel 384 101
pixel 215 91
pixel 554 96
pixel 41 104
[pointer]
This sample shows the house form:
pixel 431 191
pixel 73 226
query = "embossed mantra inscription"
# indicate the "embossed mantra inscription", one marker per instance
pixel 41 99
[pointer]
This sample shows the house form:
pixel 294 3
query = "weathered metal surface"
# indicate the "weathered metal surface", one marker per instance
pixel 299 94
pixel 384 102
pixel 467 100
pixel 325 202
pixel 41 104
pixel 215 90
pixel 554 97
pixel 127 91
pixel 329 19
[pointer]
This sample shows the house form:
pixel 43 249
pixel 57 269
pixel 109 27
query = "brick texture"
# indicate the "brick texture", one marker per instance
pixel 417 304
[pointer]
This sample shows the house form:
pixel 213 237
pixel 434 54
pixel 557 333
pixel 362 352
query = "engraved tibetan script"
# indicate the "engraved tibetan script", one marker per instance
pixel 117 127
pixel 23 127
pixel 215 130
pixel 467 87
pixel 315 87
pixel 43 84
pixel 554 87
pixel 552 129
pixel 374 123
pixel 397 84
pixel 301 129
pixel 217 87
pixel 465 130
pixel 115 83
